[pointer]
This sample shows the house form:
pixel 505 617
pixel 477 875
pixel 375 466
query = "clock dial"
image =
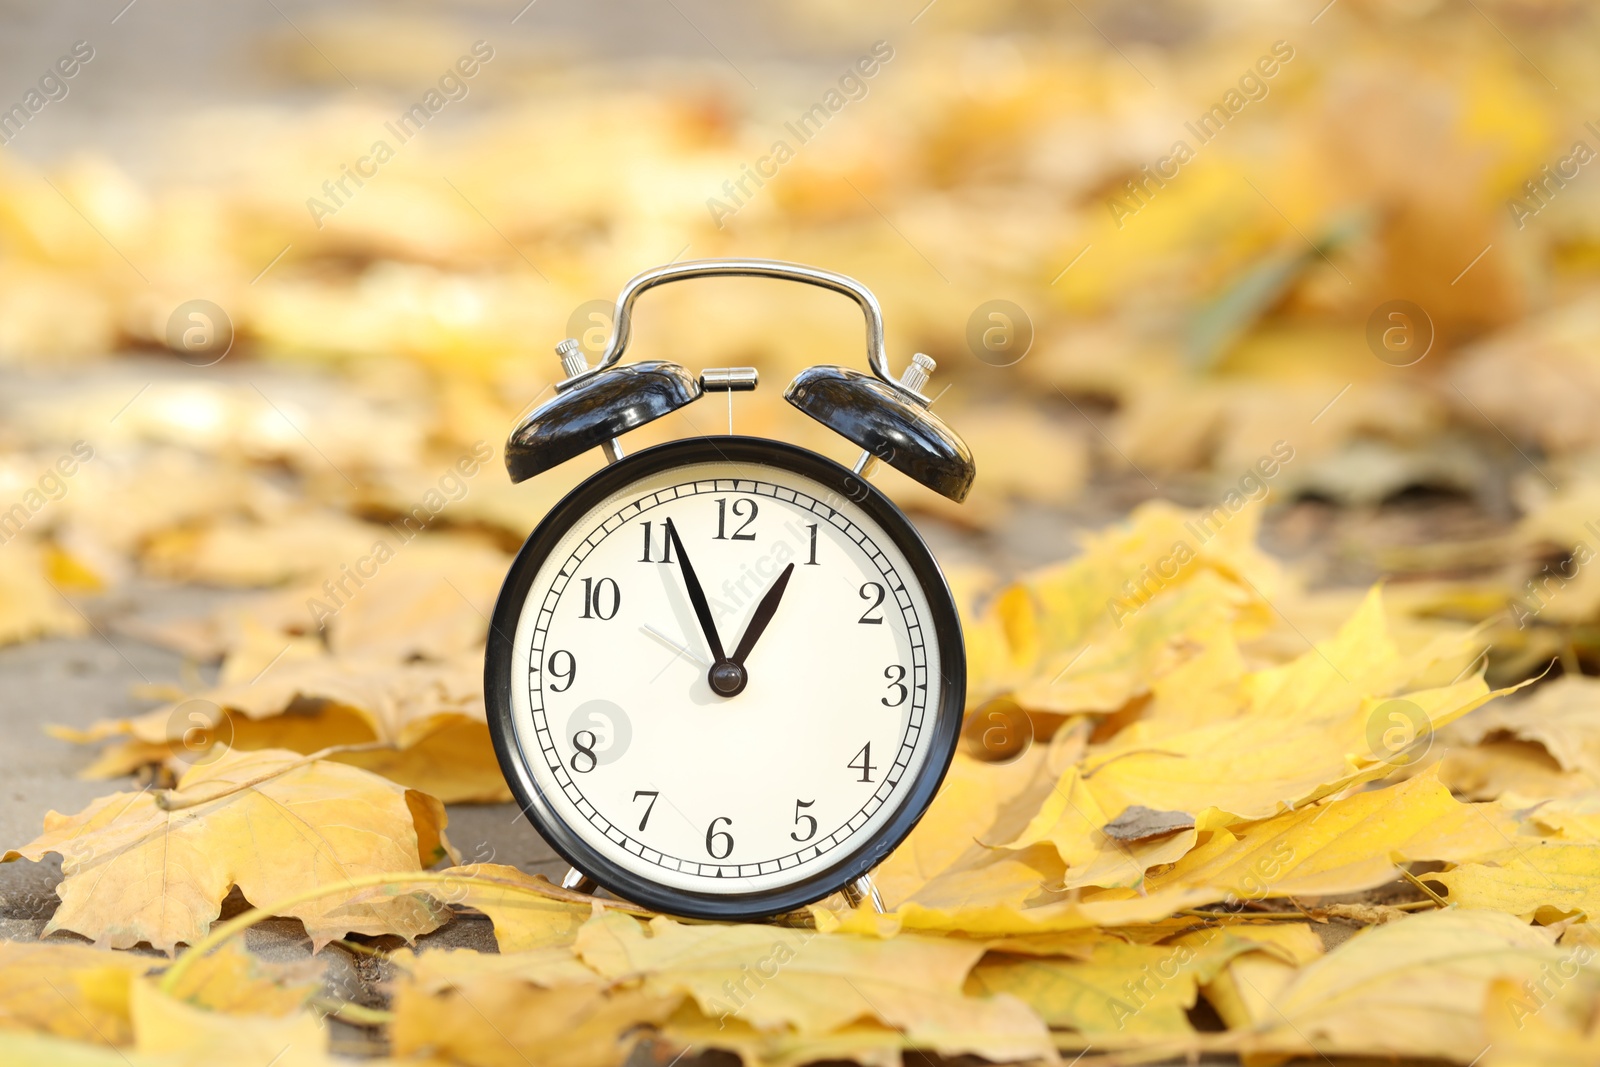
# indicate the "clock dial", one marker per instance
pixel 726 678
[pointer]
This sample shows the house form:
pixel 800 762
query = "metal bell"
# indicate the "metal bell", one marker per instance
pixel 595 410
pixel 878 416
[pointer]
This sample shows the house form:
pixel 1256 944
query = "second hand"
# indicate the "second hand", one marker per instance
pixel 670 643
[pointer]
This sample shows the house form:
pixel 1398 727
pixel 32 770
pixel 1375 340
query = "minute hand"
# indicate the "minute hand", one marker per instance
pixel 697 597
pixel 762 616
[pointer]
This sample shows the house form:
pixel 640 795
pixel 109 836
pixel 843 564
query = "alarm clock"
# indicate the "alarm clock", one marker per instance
pixel 725 676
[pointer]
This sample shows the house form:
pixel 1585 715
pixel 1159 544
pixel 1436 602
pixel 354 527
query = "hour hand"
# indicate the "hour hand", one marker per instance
pixel 762 616
pixel 697 597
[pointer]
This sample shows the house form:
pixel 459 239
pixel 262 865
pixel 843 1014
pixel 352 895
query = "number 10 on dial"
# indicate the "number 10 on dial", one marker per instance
pixel 725 677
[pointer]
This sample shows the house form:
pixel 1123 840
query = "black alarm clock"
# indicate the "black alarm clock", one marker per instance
pixel 725 676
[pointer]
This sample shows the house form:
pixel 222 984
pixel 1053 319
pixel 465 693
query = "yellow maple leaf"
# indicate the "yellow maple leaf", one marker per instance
pixel 1121 989
pixel 813 983
pixel 1086 634
pixel 81 992
pixel 155 867
pixel 952 834
pixel 541 1007
pixel 1302 731
pixel 1571 818
pixel 1341 846
pixel 1260 763
pixel 1519 772
pixel 427 719
pixel 1563 715
pixel 234 981
pixel 1243 991
pixel 522 921
pixel 1414 987
pixel 176 1032
pixel 1531 879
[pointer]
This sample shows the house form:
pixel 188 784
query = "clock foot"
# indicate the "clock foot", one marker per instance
pixel 862 889
pixel 577 881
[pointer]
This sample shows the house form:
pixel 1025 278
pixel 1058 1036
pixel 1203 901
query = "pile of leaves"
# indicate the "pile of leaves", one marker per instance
pixel 1206 803
pixel 1205 796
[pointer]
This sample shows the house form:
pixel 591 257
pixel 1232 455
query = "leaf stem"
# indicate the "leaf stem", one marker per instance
pixel 356 1014
pixel 244 920
pixel 1414 880
pixel 1270 916
pixel 171 800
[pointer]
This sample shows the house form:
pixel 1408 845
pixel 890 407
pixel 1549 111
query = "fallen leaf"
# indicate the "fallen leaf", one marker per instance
pixel 1490 770
pixel 1537 1029
pixel 176 1032
pixel 429 717
pixel 812 983
pixel 522 921
pixel 1563 715
pixel 1530 879
pixel 541 1007
pixel 69 990
pixel 135 871
pixel 1121 989
pixel 1088 635
pixel 1137 823
pixel 29 607
pixel 1340 846
pixel 1571 818
pixel 84 993
pixel 1260 763
pixel 1408 988
pixel 1244 991
pixel 235 981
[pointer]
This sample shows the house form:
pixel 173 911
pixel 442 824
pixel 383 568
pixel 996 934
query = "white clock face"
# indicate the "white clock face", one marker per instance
pixel 834 685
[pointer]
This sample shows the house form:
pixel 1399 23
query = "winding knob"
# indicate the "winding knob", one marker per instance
pixel 917 374
pixel 573 361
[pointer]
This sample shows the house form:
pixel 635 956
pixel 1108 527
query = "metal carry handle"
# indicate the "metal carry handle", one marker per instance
pixel 622 330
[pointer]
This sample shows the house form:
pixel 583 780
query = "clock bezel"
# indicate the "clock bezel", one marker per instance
pixel 499 658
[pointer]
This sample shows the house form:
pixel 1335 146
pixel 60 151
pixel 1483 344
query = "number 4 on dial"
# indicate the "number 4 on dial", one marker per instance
pixel 865 765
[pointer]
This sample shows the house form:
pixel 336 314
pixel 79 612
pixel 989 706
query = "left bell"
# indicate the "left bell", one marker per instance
pixel 595 409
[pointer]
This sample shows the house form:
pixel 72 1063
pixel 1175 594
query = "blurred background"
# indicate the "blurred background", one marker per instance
pixel 268 270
